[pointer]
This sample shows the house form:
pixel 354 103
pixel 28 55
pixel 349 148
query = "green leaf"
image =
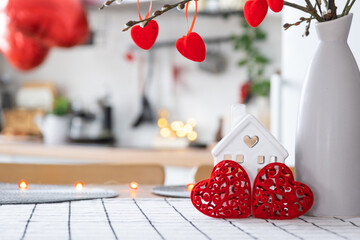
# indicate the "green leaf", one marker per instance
pixel 261 88
pixel 259 34
pixel 243 62
pixel 61 106
pixel 261 59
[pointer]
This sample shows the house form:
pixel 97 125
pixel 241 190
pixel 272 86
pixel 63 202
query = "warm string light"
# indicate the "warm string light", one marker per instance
pixel 190 186
pixel 79 186
pixel 134 185
pixel 176 129
pixel 23 185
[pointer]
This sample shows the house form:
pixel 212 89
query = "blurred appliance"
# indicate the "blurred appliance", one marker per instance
pixel 91 128
pixel 5 97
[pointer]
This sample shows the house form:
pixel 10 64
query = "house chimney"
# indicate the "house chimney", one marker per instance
pixel 238 112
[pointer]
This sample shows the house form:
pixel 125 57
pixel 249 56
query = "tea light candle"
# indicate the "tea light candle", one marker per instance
pixel 134 185
pixel 23 185
pixel 79 186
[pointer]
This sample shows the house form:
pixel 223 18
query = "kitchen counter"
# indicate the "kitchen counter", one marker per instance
pixel 180 157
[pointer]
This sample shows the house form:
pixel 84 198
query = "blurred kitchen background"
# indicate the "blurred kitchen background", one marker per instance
pixel 124 97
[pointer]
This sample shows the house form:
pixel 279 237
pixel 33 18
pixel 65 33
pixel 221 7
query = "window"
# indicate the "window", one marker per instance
pixel 261 159
pixel 227 157
pixel 273 159
pixel 240 158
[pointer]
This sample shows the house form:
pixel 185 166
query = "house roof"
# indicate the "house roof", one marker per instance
pixel 248 119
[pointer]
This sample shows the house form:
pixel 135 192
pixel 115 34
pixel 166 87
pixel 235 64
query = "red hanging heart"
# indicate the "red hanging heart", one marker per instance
pixel 227 194
pixel 276 5
pixel 255 11
pixel 192 47
pixel 276 195
pixel 145 37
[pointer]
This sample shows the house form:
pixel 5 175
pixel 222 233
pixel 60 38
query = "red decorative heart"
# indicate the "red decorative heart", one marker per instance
pixel 192 47
pixel 276 5
pixel 255 11
pixel 145 37
pixel 276 195
pixel 51 22
pixel 227 194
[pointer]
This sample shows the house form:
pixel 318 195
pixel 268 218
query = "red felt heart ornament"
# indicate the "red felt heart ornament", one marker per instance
pixel 192 47
pixel 255 11
pixel 276 5
pixel 227 194
pixel 276 195
pixel 145 37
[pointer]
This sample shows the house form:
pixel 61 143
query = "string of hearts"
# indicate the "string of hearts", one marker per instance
pixel 227 193
pixel 191 46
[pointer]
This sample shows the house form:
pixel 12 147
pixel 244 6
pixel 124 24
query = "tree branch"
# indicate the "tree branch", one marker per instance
pixel 165 8
pixel 308 9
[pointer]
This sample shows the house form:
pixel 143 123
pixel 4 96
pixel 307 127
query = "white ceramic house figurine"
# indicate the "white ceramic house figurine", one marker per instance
pixel 248 143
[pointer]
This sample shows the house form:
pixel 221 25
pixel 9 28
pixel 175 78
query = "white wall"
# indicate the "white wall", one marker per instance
pixel 297 52
pixel 85 73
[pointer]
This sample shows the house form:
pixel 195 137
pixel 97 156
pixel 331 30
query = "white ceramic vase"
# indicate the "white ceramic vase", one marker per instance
pixel 328 135
pixel 54 128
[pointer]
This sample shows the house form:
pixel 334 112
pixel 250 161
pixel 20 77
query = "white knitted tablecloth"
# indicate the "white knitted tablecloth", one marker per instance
pixel 156 218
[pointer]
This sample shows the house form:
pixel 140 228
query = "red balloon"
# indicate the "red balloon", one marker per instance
pixel 60 23
pixel 24 53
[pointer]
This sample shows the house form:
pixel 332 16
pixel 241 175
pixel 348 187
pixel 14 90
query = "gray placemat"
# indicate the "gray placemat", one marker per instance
pixel 180 191
pixel 38 193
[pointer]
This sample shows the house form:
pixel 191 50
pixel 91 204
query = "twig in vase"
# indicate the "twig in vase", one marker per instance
pixel 331 10
pixel 350 6
pixel 326 3
pixel 286 26
pixel 308 9
pixel 318 4
pixel 307 28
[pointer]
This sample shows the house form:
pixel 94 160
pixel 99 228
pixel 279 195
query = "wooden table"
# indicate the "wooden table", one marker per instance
pixel 146 216
pixel 189 157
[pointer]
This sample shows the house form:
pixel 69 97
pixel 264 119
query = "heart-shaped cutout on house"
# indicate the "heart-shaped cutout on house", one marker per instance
pixel 192 47
pixel 255 11
pixel 251 141
pixel 145 37
pixel 226 194
pixel 276 195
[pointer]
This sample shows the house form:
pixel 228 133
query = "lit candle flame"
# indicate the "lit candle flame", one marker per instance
pixel 23 185
pixel 79 186
pixel 134 185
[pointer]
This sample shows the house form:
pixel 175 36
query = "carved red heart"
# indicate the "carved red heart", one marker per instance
pixel 255 11
pixel 227 194
pixel 276 195
pixel 145 37
pixel 192 47
pixel 276 5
